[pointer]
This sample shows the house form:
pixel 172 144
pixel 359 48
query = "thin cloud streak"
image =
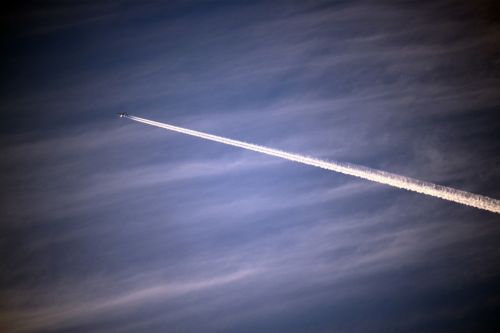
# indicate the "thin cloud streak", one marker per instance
pixel 439 191
pixel 66 314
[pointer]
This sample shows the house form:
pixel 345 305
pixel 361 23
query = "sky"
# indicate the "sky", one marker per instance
pixel 107 225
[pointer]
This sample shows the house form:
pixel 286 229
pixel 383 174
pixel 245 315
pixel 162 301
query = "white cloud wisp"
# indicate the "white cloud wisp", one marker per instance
pixel 382 177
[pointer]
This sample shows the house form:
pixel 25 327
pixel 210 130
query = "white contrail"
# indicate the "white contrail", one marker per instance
pixel 443 192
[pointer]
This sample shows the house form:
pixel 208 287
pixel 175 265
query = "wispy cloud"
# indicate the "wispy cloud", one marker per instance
pixel 61 313
pixel 108 226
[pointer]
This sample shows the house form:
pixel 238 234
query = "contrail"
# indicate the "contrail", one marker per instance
pixel 382 177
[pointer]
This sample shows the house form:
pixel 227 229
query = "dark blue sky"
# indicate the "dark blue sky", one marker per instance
pixel 111 226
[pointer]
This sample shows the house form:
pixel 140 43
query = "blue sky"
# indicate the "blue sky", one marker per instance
pixel 109 225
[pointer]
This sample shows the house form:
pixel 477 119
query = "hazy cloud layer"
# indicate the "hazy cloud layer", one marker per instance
pixel 108 225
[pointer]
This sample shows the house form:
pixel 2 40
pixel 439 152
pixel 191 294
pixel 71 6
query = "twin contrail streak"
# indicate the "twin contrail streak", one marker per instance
pixel 382 177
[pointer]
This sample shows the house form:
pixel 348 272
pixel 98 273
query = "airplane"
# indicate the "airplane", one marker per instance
pixel 122 114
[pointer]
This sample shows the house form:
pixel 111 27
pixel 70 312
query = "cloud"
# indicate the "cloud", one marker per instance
pixel 109 226
pixel 63 313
